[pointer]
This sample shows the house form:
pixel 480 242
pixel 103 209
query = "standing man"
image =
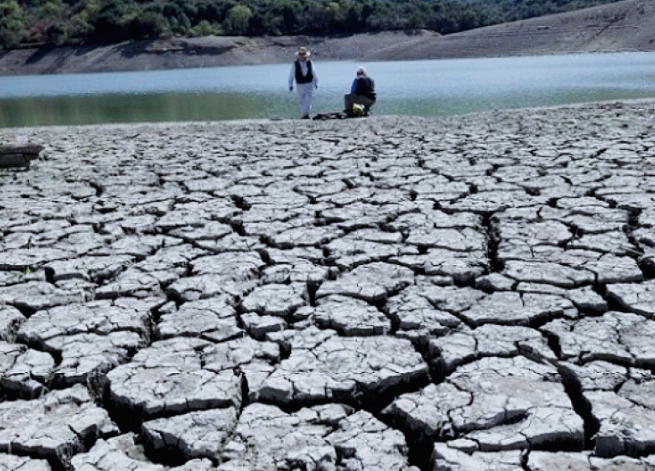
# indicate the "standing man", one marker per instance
pixel 302 71
pixel 362 92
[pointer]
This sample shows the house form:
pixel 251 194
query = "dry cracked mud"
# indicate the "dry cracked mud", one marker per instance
pixel 391 293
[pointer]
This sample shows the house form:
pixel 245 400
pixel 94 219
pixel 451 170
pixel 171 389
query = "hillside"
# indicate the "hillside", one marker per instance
pixel 628 25
pixel 624 26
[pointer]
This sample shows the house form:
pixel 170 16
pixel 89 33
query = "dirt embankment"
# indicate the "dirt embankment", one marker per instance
pixel 628 25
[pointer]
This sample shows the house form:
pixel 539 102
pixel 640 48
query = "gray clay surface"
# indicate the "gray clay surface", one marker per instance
pixel 402 294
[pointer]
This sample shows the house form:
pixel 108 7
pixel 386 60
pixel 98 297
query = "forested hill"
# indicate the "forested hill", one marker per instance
pixel 31 23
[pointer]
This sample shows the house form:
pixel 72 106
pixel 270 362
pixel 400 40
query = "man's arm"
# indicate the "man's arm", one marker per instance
pixel 292 75
pixel 353 87
pixel 314 76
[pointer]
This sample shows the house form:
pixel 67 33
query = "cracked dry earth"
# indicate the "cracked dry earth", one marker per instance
pixel 392 293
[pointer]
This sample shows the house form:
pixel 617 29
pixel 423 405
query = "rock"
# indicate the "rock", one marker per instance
pixel 372 283
pixel 417 318
pixel 23 371
pixel 276 299
pixel 512 308
pixel 637 298
pixel 55 426
pixel 450 459
pixel 212 318
pixel 352 369
pixel 493 403
pixel 90 268
pixel 626 419
pixel 620 337
pixel 200 434
pixel 464 346
pixel 12 462
pixel 350 317
pixel 620 406
pixel 36 295
pixel 10 321
pixel 319 438
pixel 122 452
pixel 89 338
pixel 365 246
pixel 459 266
pixel 229 273
pixel 168 378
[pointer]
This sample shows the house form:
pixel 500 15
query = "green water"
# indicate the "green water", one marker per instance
pixel 65 110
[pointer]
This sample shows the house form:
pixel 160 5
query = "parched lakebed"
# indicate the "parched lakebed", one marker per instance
pixel 389 293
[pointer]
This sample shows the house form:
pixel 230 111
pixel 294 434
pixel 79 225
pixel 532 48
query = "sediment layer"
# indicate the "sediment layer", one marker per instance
pixel 387 293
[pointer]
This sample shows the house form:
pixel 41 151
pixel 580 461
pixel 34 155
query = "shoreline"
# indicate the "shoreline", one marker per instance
pixel 293 122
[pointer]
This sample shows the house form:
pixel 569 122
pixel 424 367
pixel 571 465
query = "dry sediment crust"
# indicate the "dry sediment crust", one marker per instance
pixel 392 293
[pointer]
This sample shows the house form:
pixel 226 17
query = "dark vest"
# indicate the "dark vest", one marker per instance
pixel 365 87
pixel 300 78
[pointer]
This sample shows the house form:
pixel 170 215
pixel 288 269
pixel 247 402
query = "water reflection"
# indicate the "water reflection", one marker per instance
pixel 425 88
pixel 103 109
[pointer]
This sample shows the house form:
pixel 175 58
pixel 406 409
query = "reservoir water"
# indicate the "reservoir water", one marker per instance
pixel 426 88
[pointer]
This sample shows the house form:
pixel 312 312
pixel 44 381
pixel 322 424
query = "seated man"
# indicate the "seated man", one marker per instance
pixel 362 92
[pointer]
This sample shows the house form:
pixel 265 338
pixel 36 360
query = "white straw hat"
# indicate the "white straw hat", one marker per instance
pixel 303 52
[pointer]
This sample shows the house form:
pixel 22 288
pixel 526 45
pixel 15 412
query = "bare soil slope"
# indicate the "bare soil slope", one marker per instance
pixel 628 25
pixel 624 26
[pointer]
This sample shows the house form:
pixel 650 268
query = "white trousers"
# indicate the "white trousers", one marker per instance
pixel 305 92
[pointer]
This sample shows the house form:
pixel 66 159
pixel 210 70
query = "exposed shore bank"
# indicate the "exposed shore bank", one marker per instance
pixel 628 25
pixel 473 292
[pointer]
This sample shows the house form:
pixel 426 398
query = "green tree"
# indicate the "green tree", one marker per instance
pixel 239 18
pixel 12 24
pixel 205 28
pixel 149 25
pixel 57 34
pixel 58 22
pixel 110 21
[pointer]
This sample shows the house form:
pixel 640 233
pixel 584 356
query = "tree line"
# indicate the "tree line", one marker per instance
pixel 28 23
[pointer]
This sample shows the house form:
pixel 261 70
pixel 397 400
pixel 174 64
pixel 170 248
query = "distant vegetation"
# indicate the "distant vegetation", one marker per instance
pixel 75 22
